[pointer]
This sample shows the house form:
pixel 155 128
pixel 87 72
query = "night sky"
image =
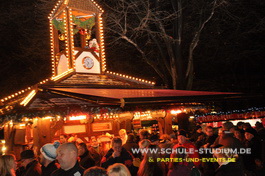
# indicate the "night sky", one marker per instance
pixel 229 57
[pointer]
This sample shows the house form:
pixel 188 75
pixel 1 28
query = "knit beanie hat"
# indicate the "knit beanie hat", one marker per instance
pixel 49 150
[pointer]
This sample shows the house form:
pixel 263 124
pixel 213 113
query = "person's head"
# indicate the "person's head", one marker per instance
pixel 122 133
pixel 144 134
pixel 7 163
pixel 220 131
pixel 116 144
pixel 94 142
pixel 130 138
pixel 198 129
pixel 144 143
pixel 63 138
pixel 238 134
pixel 240 125
pixel 246 126
pixel 26 157
pixel 259 125
pixel 67 154
pixel 227 126
pixel 209 131
pixel 48 153
pixel 250 133
pixel 95 171
pixel 82 148
pixel 182 136
pixel 118 169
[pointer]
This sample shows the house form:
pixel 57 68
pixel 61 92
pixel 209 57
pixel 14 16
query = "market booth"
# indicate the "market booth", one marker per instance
pixel 82 98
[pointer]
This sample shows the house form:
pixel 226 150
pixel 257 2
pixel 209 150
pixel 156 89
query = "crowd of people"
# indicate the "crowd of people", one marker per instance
pixel 73 157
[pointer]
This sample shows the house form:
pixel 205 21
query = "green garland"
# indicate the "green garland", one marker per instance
pixel 87 24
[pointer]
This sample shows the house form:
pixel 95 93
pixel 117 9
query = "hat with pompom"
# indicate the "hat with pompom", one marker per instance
pixel 49 150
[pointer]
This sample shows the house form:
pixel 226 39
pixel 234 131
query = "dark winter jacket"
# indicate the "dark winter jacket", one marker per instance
pixel 47 171
pixel 33 169
pixel 230 169
pixel 125 158
pixel 86 161
pixel 77 170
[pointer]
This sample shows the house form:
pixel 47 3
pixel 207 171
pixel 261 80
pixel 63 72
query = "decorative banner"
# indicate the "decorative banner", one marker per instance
pixel 234 116
pixel 106 126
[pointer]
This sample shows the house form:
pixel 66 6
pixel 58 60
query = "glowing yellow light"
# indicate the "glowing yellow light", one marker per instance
pixel 28 98
pixel 4 149
pixel 47 117
pixel 174 112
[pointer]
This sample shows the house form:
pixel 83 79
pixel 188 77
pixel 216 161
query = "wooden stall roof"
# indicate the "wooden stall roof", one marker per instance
pixel 87 5
pixel 99 81
pixel 143 96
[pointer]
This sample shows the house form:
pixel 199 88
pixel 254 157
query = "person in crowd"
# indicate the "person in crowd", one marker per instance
pixel 208 167
pixel 198 132
pixel 123 136
pixel 261 132
pixel 181 167
pixel 218 140
pixel 95 150
pixel 184 142
pixel 239 126
pixel 86 160
pixel 118 154
pixel 150 165
pixel 246 126
pixel 227 166
pixel 67 154
pixel 131 144
pixel 143 144
pixel 165 143
pixel 260 168
pixel 228 126
pixel 63 138
pixel 254 143
pixel 200 141
pixel 210 137
pixel 144 134
pixel 239 135
pixel 154 138
pixel 75 139
pixel 29 162
pixel 118 169
pixel 8 165
pixel 95 171
pixel 173 138
pixel 47 158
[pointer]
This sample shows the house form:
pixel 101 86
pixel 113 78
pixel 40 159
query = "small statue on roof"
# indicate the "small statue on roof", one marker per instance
pixel 93 44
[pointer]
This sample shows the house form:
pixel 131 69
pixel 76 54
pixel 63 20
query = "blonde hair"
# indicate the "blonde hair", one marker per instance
pixel 7 163
pixel 118 169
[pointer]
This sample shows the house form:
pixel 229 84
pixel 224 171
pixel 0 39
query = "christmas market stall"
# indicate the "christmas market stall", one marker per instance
pixel 83 99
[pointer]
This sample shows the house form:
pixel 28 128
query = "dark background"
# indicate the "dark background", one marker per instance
pixel 229 57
